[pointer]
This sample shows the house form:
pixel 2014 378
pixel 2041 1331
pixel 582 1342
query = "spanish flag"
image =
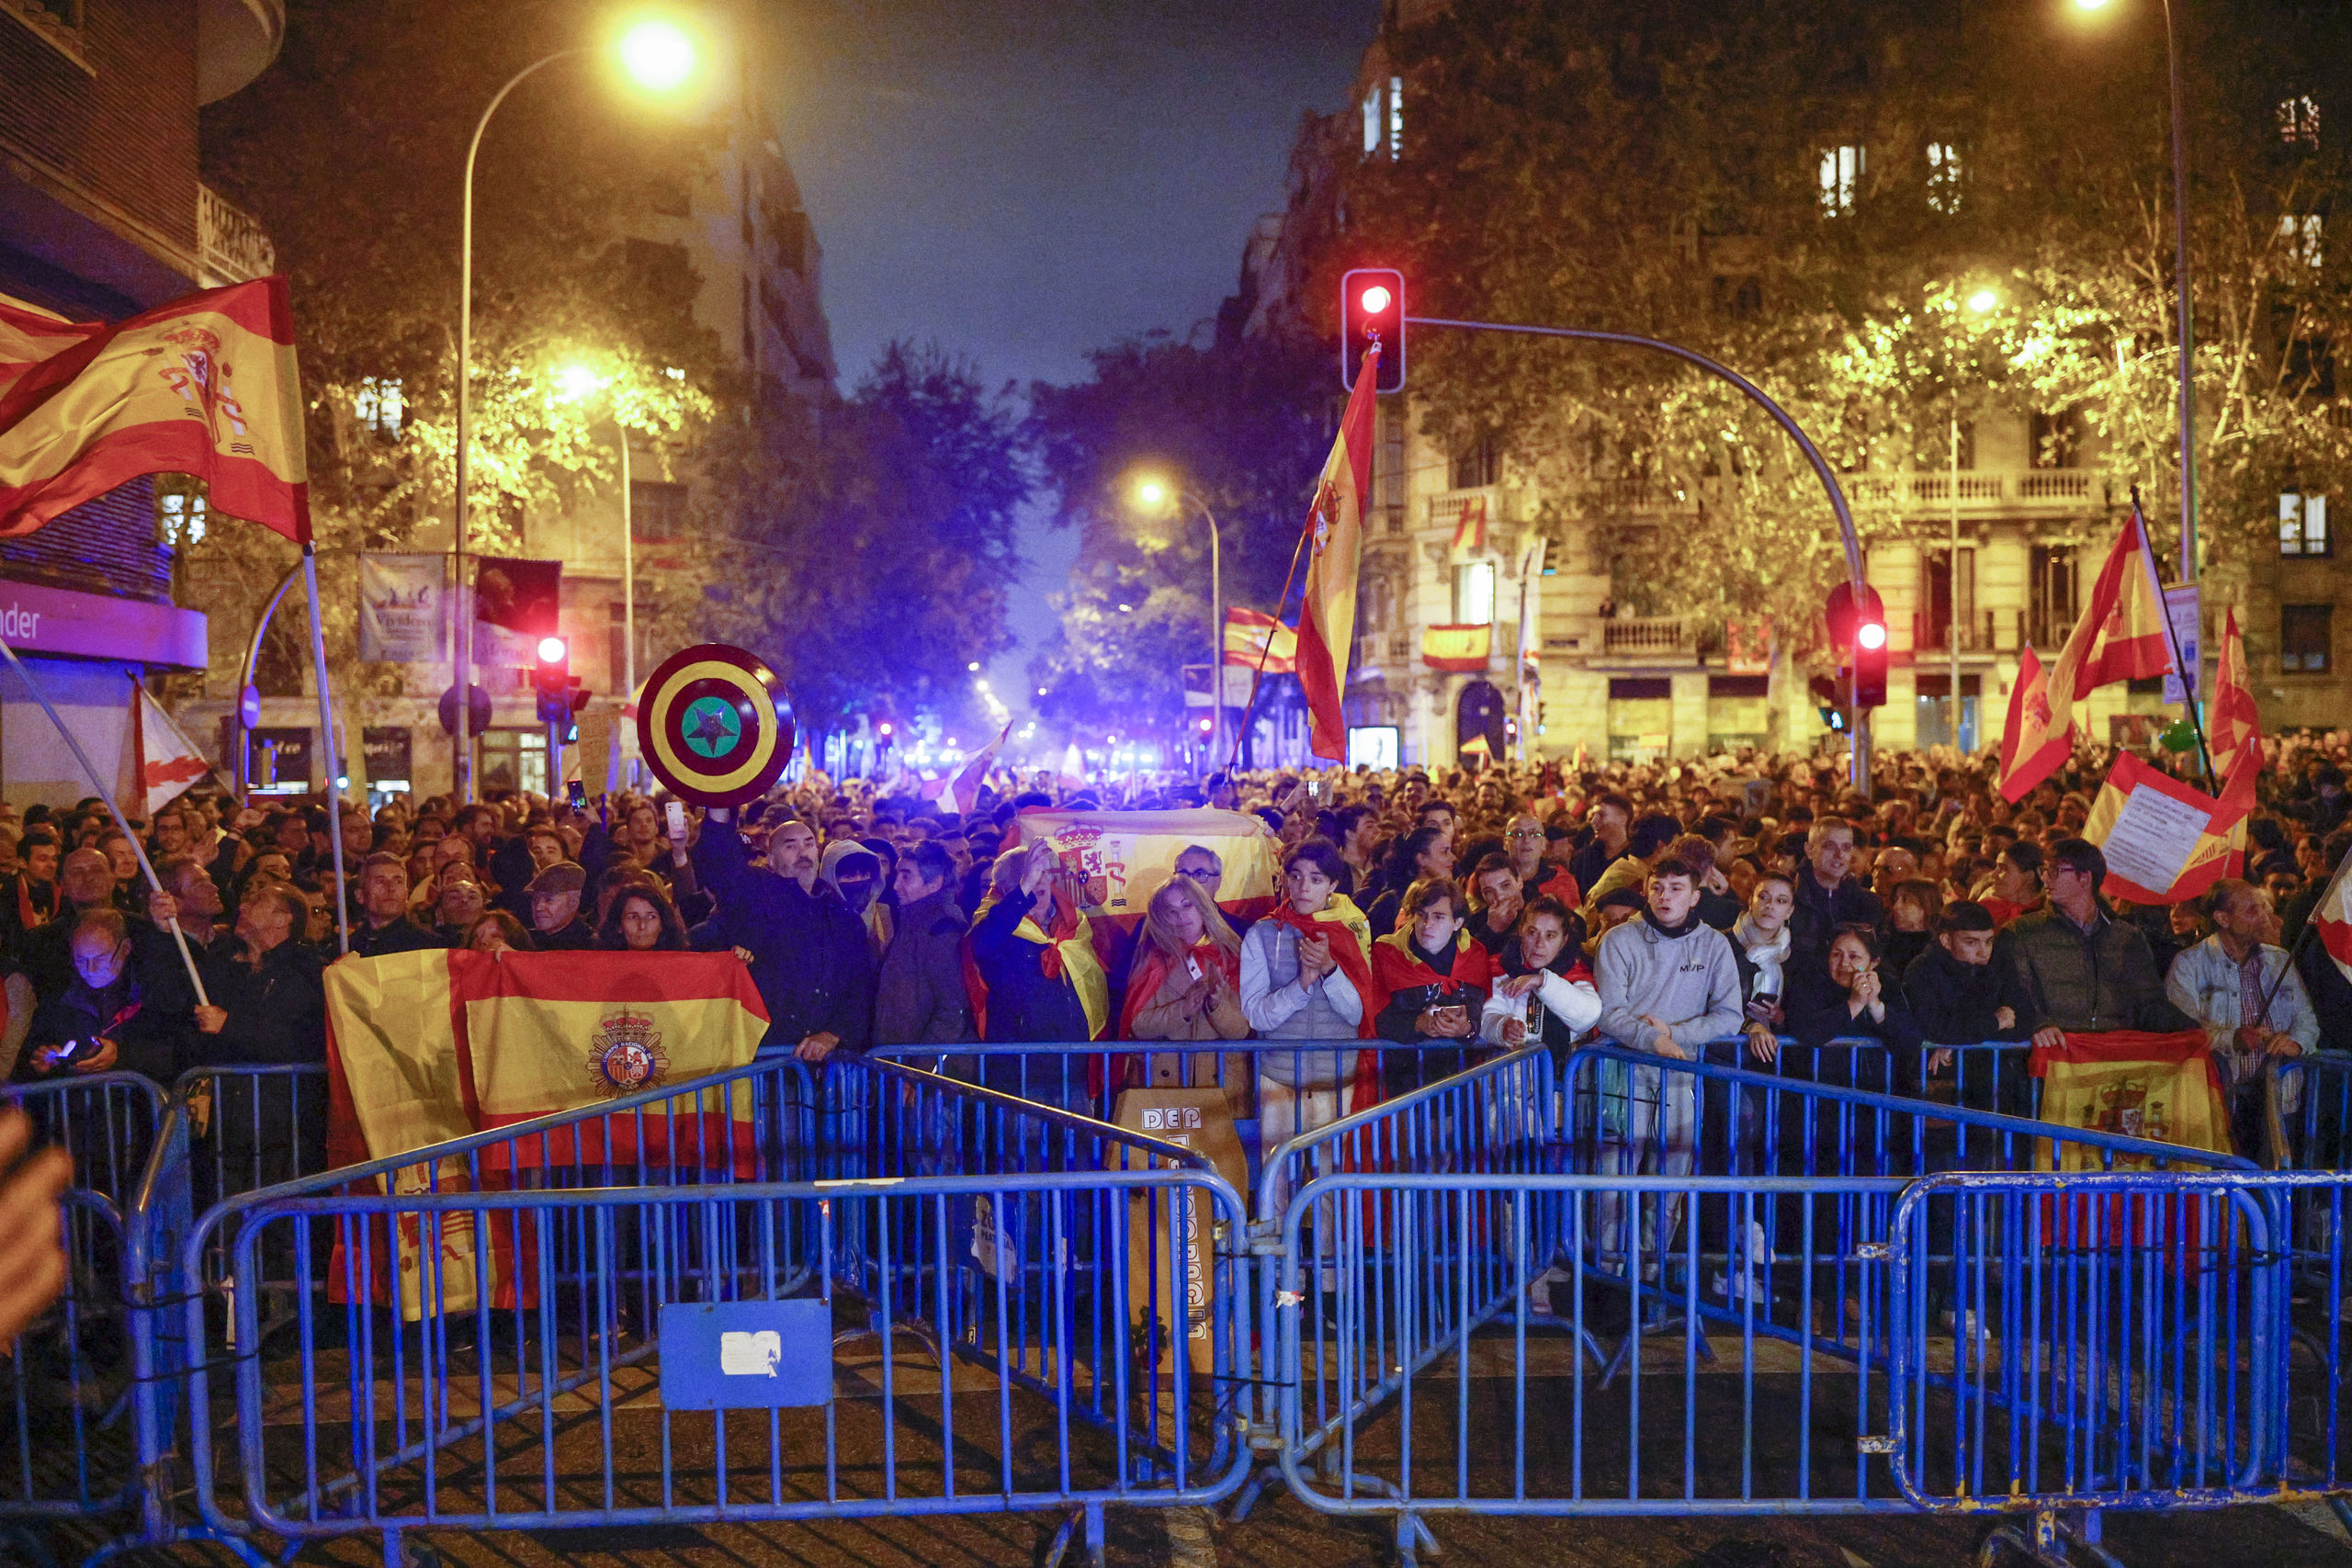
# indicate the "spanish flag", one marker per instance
pixel 434 1046
pixel 2122 636
pixel 2235 720
pixel 1326 619
pixel 1252 636
pixel 205 386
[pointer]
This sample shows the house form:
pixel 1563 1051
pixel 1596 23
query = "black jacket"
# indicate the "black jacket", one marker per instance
pixel 149 1038
pixel 1831 1020
pixel 1954 1003
pixel 920 998
pixel 810 955
pixel 1025 1003
pixel 277 1008
pixel 575 935
pixel 403 935
pixel 1820 910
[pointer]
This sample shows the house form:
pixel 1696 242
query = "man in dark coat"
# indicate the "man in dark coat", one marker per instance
pixel 103 1019
pixel 385 925
pixel 557 923
pixel 1827 896
pixel 810 957
pixel 920 998
pixel 269 1007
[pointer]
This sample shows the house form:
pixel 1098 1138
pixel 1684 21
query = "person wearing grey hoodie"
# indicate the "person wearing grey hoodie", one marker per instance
pixel 1669 985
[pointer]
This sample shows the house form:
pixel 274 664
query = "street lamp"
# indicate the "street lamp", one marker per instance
pixel 2184 301
pixel 658 56
pixel 1154 493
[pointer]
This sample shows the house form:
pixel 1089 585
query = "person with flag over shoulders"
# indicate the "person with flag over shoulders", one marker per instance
pixel 1037 978
pixel 808 955
pixel 1307 975
pixel 1433 978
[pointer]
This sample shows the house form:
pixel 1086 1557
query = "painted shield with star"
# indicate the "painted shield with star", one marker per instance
pixel 714 725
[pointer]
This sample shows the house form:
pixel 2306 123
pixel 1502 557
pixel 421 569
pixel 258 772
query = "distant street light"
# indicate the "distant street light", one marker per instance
pixel 1983 299
pixel 1153 493
pixel 657 56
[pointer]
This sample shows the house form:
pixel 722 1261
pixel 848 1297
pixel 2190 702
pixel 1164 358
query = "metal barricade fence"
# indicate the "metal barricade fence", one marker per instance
pixel 577 1355
pixel 1439 1254
pixel 67 1443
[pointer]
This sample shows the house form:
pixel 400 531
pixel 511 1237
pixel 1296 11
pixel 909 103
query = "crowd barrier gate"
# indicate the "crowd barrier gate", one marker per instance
pixel 563 1359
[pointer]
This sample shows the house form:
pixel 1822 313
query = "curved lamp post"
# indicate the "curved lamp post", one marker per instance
pixel 1154 493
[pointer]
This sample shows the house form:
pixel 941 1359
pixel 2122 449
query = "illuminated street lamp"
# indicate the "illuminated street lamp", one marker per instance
pixel 658 56
pixel 1154 493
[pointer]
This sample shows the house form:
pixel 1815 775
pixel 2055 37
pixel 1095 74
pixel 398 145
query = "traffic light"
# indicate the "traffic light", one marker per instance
pixel 1825 702
pixel 1870 661
pixel 1371 310
pixel 552 679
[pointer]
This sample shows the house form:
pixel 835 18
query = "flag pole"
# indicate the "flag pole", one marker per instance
pixel 327 742
pixel 98 786
pixel 2188 680
pixel 1216 689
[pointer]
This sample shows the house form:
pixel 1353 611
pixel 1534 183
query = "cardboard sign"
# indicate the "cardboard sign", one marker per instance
pixel 1162 1267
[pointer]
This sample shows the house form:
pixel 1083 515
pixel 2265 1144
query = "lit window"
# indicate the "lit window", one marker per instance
pixel 1474 594
pixel 1943 176
pixel 179 512
pixel 2302 524
pixel 1840 172
pixel 1396 117
pixel 2299 120
pixel 1372 126
pixel 2306 236
pixel 381 407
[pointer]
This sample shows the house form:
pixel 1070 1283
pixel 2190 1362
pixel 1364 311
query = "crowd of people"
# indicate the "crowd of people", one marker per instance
pixel 1713 908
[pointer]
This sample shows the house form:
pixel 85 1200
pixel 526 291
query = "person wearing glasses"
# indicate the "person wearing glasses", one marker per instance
pixel 2074 967
pixel 1525 842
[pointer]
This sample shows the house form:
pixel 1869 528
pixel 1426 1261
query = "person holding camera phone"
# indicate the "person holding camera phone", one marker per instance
pixel 103 1020
pixel 1434 979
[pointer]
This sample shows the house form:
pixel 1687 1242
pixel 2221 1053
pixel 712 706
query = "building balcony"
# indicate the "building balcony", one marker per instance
pixel 232 246
pixel 2051 493
pixel 1648 636
pixel 1973 634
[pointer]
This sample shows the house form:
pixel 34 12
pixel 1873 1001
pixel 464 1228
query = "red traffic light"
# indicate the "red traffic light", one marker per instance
pixel 1844 613
pixel 1372 316
pixel 1872 635
pixel 551 650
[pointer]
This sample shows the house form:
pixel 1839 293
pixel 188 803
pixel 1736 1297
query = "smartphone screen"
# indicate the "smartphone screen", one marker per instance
pixel 677 815
pixel 577 793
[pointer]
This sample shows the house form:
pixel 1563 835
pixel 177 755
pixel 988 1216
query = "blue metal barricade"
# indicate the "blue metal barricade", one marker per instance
pixel 67 1443
pixel 1446 1272
pixel 677 1346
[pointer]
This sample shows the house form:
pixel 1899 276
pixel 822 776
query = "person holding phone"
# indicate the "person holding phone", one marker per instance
pixel 103 1020
pixel 1433 978
pixel 1306 975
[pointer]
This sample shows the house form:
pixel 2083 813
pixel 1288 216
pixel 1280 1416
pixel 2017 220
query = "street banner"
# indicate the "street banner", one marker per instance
pixel 1327 615
pixel 1247 634
pixel 403 608
pixel 205 386
pixel 1457 648
pixel 515 603
pixel 2165 842
pixel 2182 613
pixel 160 760
pixel 1748 646
pixel 2122 636
pixel 2233 720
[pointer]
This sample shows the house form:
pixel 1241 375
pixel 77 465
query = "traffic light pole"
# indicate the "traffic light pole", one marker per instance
pixel 1858 773
pixel 555 762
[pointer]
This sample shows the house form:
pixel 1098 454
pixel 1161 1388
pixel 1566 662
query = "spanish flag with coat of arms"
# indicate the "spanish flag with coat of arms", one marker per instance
pixel 428 1046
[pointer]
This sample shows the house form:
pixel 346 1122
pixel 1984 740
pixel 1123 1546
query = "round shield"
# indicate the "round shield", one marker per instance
pixel 714 725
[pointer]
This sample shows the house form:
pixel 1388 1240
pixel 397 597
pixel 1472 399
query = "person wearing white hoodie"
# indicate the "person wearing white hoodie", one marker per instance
pixel 1669 985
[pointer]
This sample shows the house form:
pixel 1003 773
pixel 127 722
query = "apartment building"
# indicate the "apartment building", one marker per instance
pixel 102 215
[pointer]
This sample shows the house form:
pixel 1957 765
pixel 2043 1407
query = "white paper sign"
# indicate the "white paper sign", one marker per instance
pixel 2152 838
pixel 751 1355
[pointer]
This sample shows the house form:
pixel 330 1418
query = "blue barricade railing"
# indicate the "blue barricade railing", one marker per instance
pixel 512 1357
pixel 1474 1246
pixel 107 1121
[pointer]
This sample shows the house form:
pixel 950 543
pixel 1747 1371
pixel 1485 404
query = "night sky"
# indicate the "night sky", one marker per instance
pixel 1022 182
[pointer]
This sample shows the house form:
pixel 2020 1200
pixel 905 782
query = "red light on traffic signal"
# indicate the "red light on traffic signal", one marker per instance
pixel 1870 635
pixel 1371 314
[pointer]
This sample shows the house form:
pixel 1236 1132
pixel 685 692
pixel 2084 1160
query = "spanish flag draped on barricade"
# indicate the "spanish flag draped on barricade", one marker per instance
pixel 2159 1085
pixel 428 1046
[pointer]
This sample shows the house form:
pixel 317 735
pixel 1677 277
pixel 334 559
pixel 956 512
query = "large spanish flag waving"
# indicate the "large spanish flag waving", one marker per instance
pixel 2123 636
pixel 205 386
pixel 1327 620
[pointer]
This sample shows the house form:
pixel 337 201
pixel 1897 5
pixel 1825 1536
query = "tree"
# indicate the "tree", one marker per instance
pixel 1807 195
pixel 1245 425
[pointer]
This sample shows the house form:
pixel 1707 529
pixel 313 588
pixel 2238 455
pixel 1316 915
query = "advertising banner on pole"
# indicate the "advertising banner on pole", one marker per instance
pixel 403 609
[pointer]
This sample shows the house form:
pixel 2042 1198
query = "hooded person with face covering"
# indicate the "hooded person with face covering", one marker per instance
pixel 854 873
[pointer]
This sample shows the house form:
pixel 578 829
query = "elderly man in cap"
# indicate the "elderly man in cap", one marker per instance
pixel 556 921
